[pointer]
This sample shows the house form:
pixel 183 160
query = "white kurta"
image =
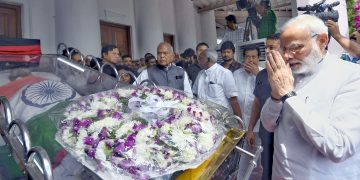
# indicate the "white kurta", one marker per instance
pixel 187 87
pixel 216 84
pixel 318 133
pixel 245 83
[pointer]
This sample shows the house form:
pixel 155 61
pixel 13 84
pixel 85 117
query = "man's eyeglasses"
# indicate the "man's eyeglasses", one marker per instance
pixel 293 49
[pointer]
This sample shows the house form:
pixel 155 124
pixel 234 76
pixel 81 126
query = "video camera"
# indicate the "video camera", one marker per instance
pixel 249 6
pixel 318 9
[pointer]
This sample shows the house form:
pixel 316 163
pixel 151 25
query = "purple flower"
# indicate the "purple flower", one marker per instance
pixel 357 7
pixel 90 152
pixel 108 144
pixel 88 140
pixel 195 128
pixel 118 149
pixel 133 170
pixel 115 95
pixel 159 123
pixel 130 141
pixel 171 118
pixel 76 121
pixel 139 127
pixel 103 133
pixel 96 143
pixel 100 113
pixel 116 115
pixel 134 94
pixel 75 129
pixel 189 109
pixel 86 123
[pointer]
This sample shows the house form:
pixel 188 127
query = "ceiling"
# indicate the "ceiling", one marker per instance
pixel 282 8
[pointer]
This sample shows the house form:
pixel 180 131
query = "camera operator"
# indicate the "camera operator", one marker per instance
pixel 351 46
pixel 267 24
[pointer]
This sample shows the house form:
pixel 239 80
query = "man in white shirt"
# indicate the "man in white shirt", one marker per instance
pixel 165 73
pixel 314 107
pixel 245 81
pixel 215 83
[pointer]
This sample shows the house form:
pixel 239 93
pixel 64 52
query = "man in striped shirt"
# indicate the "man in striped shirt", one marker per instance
pixel 234 33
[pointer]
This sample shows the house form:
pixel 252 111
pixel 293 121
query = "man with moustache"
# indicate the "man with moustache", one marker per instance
pixel 165 73
pixel 314 106
pixel 245 82
pixel 228 53
pixel 262 92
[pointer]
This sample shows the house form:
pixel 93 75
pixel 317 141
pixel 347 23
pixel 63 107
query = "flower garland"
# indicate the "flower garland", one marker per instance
pixel 143 132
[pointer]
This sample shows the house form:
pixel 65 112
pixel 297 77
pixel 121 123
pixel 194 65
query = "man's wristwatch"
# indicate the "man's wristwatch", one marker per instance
pixel 290 94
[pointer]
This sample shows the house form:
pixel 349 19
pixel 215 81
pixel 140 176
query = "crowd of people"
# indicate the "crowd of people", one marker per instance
pixel 306 99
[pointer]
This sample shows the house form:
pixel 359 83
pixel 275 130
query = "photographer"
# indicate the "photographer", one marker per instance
pixel 351 46
pixel 267 24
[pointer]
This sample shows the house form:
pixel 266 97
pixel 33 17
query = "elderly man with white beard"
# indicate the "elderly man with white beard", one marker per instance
pixel 314 108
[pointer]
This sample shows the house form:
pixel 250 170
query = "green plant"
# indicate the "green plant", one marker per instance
pixel 351 14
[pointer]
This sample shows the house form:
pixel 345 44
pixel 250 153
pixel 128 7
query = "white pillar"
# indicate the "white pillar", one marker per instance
pixel 208 28
pixel 148 25
pixel 334 46
pixel 78 25
pixel 185 24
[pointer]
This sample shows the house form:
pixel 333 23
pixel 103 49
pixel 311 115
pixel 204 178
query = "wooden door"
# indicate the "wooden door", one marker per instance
pixel 169 38
pixel 116 34
pixel 10 20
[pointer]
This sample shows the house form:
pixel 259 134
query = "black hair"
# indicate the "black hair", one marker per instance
pixel 65 52
pixel 126 56
pixel 265 3
pixel 148 54
pixel 201 44
pixel 227 45
pixel 250 48
pixel 107 48
pixel 231 18
pixel 275 36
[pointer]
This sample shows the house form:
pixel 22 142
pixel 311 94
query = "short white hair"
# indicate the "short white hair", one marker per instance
pixel 315 24
pixel 211 54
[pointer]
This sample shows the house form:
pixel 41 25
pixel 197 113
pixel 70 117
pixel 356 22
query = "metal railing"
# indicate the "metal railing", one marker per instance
pixel 34 162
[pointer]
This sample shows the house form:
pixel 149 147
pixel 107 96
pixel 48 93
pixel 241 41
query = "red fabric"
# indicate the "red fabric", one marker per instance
pixel 58 158
pixel 20 58
pixel 11 88
pixel 25 50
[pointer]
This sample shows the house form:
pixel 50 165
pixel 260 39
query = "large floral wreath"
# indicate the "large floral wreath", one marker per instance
pixel 140 133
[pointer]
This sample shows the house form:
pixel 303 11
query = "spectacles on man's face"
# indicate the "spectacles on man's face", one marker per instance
pixel 294 48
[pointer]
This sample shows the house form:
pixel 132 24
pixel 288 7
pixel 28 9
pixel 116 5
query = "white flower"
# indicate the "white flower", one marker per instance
pixel 207 127
pixel 144 135
pixel 188 154
pixel 67 136
pixel 166 128
pixel 205 141
pixel 183 121
pixel 100 154
pixel 143 153
pixel 160 159
pixel 80 139
pixel 107 122
pixel 110 102
pixel 126 128
pixel 168 95
pixel 125 92
pixel 98 105
pixel 180 139
pixel 186 101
